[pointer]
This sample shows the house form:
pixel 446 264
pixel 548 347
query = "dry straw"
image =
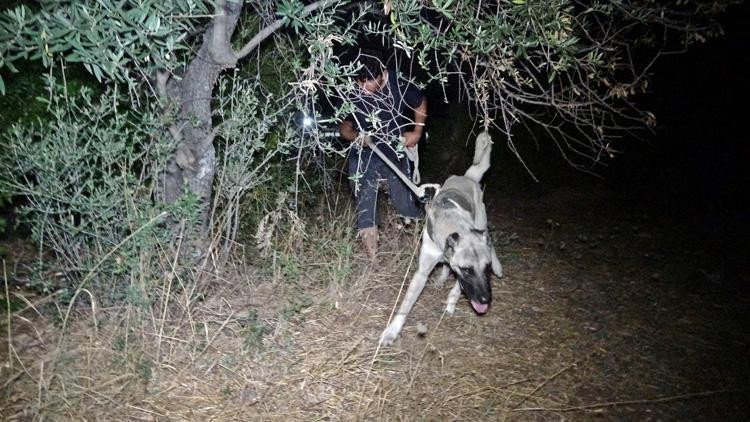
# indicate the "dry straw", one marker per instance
pixel 286 344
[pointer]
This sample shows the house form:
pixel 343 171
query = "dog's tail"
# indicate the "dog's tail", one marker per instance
pixel 481 163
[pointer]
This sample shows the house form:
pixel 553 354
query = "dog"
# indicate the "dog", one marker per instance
pixel 455 235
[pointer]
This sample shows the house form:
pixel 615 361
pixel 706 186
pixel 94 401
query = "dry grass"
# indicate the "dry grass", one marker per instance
pixel 297 340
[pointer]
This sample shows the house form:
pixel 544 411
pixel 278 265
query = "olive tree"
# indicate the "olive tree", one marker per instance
pixel 569 67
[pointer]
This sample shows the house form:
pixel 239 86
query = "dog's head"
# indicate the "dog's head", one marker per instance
pixel 470 256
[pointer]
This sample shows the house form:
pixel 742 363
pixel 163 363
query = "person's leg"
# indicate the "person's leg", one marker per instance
pixel 364 181
pixel 402 197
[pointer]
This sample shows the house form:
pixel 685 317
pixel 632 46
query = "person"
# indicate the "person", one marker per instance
pixel 392 112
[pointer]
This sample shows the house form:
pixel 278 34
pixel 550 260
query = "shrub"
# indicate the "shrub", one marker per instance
pixel 88 177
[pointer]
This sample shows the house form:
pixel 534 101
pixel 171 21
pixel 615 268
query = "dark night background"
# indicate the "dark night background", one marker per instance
pixel 690 174
pixel 694 172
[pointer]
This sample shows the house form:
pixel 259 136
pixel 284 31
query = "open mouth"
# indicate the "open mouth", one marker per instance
pixel 480 308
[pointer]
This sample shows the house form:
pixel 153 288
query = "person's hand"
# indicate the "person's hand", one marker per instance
pixel 411 138
pixel 347 131
pixel 364 141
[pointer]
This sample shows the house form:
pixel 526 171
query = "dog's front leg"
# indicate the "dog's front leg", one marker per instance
pixel 445 270
pixel 450 305
pixel 428 257
pixel 496 267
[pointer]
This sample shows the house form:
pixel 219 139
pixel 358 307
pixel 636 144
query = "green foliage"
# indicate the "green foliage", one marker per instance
pixel 294 308
pixel 19 105
pixel 565 67
pixel 253 332
pixel 88 175
pixel 291 12
pixel 144 368
pixel 4 201
pixel 116 40
pixel 88 171
pixel 252 136
pixel 226 392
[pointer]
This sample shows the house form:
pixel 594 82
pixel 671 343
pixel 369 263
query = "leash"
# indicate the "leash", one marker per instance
pixel 420 191
pixel 413 154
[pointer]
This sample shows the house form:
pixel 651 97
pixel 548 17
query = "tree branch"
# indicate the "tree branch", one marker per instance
pixel 625 402
pixel 221 49
pixel 269 30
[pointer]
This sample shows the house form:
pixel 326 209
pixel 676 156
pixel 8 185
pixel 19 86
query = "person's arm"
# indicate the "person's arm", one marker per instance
pixel 347 131
pixel 411 138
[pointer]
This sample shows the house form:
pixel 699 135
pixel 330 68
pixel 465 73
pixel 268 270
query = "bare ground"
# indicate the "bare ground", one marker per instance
pixel 604 313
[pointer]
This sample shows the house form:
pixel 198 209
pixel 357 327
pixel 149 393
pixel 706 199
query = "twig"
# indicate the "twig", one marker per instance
pixel 625 402
pixel 93 270
pixel 424 351
pixel 525 397
pixel 393 310
pixel 33 306
pixel 7 307
pixel 13 377
pixel 168 280
pixel 231 314
pixel 267 31
pixel 146 410
pixel 483 389
pixel 39 384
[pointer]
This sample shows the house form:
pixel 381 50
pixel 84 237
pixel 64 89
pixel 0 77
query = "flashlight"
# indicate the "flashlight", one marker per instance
pixel 308 124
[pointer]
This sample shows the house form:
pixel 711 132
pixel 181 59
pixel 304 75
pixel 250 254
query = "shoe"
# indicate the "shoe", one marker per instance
pixel 404 223
pixel 370 240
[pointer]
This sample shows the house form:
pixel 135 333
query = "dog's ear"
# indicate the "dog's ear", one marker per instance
pixel 450 246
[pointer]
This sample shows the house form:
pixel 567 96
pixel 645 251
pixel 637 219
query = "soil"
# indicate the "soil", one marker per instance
pixel 610 309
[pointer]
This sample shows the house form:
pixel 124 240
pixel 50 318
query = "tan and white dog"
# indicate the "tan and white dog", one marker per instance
pixel 455 235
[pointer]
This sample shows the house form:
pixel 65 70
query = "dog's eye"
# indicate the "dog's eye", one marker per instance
pixel 467 270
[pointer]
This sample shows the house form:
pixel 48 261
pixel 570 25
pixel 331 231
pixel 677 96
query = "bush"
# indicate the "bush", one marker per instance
pixel 88 177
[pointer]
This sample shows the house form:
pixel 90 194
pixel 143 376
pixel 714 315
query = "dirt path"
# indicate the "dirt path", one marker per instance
pixel 640 315
pixel 606 313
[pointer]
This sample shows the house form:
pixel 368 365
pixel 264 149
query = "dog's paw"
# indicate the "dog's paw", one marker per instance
pixel 389 336
pixel 450 308
pixel 498 270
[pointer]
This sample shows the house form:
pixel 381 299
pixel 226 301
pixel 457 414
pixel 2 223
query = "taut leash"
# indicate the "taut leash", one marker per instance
pixel 420 191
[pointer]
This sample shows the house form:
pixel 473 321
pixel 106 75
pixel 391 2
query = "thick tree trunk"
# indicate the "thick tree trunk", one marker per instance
pixel 193 165
pixel 192 168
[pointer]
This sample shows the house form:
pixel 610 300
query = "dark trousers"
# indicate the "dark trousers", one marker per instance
pixel 365 170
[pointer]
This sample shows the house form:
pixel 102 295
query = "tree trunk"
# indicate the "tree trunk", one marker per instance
pixel 192 167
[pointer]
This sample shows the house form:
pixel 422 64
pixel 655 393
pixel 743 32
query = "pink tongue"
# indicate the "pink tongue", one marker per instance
pixel 480 307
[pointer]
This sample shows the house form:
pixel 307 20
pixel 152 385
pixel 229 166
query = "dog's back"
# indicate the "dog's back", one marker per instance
pixel 481 162
pixel 460 191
